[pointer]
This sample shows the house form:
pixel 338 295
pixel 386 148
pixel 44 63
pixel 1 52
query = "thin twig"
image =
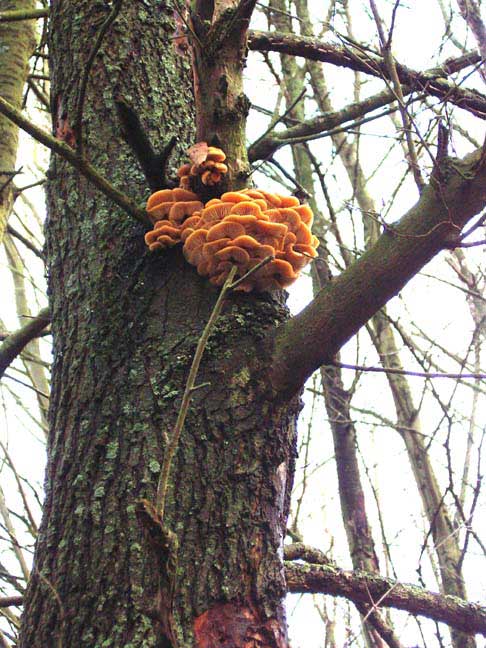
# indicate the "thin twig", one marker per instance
pixel 251 271
pixel 24 384
pixel 13 232
pixel 280 118
pixel 80 163
pixel 397 89
pixel 404 372
pixel 186 397
pixel 78 122
pixel 33 526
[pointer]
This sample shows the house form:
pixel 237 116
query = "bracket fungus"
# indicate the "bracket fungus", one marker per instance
pixel 240 228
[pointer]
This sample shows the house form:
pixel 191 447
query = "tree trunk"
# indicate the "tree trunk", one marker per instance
pixel 125 326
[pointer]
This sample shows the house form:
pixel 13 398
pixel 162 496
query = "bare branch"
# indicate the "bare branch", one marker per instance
pixel 433 84
pixel 15 15
pixel 8 601
pixel 405 372
pixel 15 342
pixel 361 587
pixel 313 337
pixel 81 164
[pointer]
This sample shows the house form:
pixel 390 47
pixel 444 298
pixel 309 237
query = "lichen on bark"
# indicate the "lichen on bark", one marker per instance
pixel 125 325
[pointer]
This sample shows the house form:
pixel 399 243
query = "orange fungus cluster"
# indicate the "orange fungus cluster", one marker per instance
pixel 241 228
pixel 207 163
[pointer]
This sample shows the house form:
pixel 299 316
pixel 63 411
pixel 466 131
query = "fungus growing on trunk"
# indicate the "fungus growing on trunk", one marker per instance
pixel 241 228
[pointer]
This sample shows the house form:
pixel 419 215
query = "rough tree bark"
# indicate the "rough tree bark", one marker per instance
pixel 125 325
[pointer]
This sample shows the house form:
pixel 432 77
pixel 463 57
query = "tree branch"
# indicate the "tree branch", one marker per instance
pixel 13 345
pixel 80 163
pixel 154 164
pixel 315 335
pixel 434 84
pixel 361 587
pixel 7 601
pixel 15 15
pixel 266 146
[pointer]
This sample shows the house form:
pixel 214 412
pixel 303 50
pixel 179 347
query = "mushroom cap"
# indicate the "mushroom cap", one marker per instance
pixel 247 208
pixel 305 213
pixel 279 270
pixel 193 221
pixel 215 212
pixel 272 199
pixel 164 195
pixel 246 221
pixel 182 209
pixel 224 229
pixel 183 170
pixel 184 194
pixel 296 260
pixel 165 241
pixel 267 228
pixel 157 212
pixel 216 154
pixel 288 216
pixel 247 242
pixel 234 197
pixel 164 233
pixel 153 247
pixel 193 246
pixel 289 201
pixel 233 253
pixel 308 250
pixel 209 249
pixel 253 193
pixel 185 182
pixel 303 234
pixel 262 252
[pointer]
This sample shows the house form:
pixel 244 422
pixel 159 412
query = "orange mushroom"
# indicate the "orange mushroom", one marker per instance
pixel 216 154
pixel 215 212
pixel 247 208
pixel 233 253
pixel 234 197
pixel 225 228
pixel 240 228
pixel 183 194
pixel 164 195
pixel 181 210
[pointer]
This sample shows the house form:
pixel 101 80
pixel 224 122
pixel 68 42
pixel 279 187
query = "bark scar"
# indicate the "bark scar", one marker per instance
pixel 236 625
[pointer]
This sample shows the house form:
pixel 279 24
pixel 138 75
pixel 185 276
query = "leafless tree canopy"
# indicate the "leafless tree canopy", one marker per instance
pixel 373 113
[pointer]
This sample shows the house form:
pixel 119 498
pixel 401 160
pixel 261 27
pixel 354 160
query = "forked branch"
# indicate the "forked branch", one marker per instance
pixel 316 334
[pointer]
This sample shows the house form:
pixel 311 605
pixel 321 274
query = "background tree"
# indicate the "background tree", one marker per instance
pixel 111 570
